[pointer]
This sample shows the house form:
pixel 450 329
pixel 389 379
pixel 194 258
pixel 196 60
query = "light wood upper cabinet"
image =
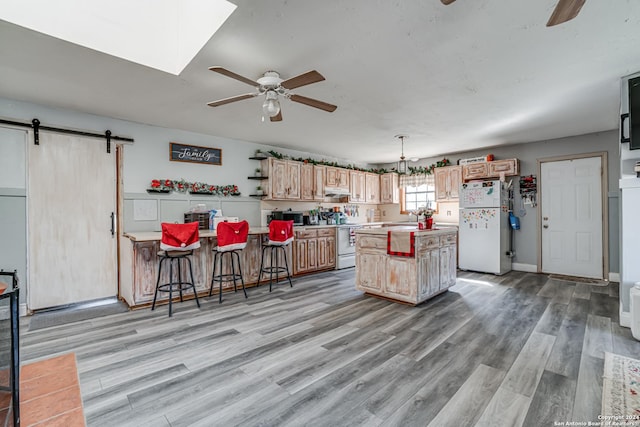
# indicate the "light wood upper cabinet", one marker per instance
pixel 447 181
pixel 372 187
pixel 358 187
pixel 307 181
pixel 337 178
pixel 507 167
pixel 389 191
pixel 318 182
pixel 493 169
pixel 475 171
pixel 284 179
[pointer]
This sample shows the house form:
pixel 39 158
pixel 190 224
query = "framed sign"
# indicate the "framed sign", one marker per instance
pixel 195 154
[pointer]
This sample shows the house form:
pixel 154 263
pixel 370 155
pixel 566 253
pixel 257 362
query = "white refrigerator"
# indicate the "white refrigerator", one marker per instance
pixel 485 233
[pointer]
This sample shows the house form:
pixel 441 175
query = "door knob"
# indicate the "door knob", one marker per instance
pixel 545 226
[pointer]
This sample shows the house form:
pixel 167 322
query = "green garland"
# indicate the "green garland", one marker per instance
pixel 412 170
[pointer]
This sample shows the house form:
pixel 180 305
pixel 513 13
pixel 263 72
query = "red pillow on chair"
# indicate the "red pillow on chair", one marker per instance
pixel 232 236
pixel 180 237
pixel 280 232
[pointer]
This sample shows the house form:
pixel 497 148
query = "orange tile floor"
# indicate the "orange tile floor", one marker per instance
pixel 49 394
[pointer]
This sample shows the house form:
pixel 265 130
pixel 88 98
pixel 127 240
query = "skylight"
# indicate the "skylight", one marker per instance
pixel 162 34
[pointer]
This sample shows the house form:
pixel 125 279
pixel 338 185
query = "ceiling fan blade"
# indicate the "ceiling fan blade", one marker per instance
pixel 302 80
pixel 233 75
pixel 447 1
pixel 565 11
pixel 232 99
pixel 277 117
pixel 313 103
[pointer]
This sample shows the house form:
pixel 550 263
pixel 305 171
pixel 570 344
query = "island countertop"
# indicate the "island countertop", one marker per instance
pixel 147 236
pixel 408 228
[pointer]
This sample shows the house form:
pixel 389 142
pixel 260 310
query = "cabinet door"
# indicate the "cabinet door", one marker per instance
pixel 300 265
pixel 343 178
pixel 307 182
pixel 331 252
pixel 372 188
pixel 322 253
pixel 370 271
pixel 447 267
pixel 358 187
pixel 455 179
pixel 389 192
pixel 401 277
pixel 428 274
pixel 507 167
pixel 312 254
pixel 278 179
pixel 293 180
pixel 331 176
pixel 442 181
pixel 318 182
pixel 145 270
pixel 475 171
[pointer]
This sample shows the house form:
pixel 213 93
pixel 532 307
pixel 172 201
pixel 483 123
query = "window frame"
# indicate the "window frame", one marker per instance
pixel 403 199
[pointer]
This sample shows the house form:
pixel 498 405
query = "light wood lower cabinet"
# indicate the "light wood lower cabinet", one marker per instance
pixel 407 279
pixel 314 250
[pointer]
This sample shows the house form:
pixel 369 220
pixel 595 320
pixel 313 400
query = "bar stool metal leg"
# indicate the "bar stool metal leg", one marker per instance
pixel 193 283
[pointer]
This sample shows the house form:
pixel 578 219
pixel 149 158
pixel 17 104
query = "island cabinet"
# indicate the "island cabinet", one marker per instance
pixel 411 279
pixel 389 190
pixel 447 183
pixel 314 250
pixel 284 179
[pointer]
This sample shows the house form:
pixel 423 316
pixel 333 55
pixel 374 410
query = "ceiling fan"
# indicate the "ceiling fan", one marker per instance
pixel 565 11
pixel 272 87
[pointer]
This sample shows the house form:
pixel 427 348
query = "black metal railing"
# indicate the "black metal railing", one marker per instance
pixel 9 347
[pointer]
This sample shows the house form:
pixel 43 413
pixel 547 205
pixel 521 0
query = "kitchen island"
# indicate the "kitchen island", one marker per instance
pixel 424 264
pixel 313 250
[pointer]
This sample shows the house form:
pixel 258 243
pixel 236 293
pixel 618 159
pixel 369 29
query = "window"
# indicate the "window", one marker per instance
pixel 413 198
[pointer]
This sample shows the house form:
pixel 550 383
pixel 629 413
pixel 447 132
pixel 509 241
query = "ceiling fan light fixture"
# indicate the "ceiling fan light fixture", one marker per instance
pixel 271 105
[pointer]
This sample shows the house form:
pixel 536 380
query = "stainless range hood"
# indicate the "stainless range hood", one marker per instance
pixel 336 192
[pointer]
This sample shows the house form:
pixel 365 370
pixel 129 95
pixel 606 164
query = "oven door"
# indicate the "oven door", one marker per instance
pixel 344 247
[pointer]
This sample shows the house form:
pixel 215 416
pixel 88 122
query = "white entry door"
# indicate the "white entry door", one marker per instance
pixel 571 210
pixel 71 192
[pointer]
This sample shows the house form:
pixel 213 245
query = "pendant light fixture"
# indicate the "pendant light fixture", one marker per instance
pixel 402 164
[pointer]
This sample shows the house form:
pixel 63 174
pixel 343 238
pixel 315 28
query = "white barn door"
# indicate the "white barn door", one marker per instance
pixel 71 195
pixel 571 217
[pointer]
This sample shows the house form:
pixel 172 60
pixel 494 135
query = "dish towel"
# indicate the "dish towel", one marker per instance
pixel 352 236
pixel 401 243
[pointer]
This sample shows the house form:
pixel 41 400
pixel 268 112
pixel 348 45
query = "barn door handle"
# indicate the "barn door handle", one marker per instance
pixel 113 224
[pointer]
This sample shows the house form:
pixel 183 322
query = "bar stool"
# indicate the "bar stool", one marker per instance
pixel 232 239
pixel 177 244
pixel 280 235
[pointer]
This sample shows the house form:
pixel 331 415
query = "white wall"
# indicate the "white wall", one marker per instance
pixel 525 239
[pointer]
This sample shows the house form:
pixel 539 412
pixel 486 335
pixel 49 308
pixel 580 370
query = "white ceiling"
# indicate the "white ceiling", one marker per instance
pixel 475 74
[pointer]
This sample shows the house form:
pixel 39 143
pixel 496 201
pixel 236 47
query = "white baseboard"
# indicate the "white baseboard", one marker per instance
pixel 614 277
pixel 529 268
pixel 23 309
pixel 625 318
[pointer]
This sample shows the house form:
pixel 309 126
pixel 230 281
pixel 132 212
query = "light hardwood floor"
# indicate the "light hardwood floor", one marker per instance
pixel 515 350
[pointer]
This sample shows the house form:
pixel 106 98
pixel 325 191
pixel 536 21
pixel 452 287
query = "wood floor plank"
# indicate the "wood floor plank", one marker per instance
pixel 324 354
pixel 552 402
pixel 505 409
pixel 588 389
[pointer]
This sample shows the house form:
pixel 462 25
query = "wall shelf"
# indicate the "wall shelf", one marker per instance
pixel 258 177
pixel 258 158
pixel 259 196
